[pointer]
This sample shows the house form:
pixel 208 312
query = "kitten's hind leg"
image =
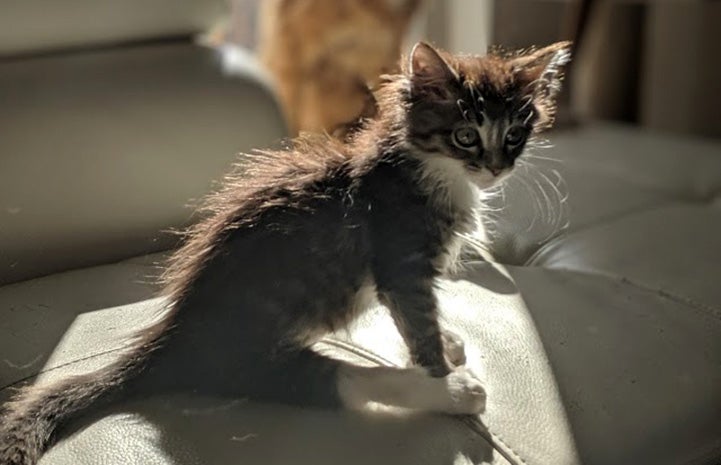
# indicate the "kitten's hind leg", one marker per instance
pixel 308 378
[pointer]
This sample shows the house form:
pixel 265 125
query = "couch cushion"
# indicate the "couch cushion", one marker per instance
pixel 594 174
pixel 38 316
pixel 185 430
pixel 91 140
pixel 638 205
pixel 74 322
pixel 673 248
pixel 579 368
pixel 38 26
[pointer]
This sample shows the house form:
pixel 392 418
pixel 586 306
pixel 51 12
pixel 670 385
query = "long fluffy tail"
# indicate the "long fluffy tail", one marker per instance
pixel 29 421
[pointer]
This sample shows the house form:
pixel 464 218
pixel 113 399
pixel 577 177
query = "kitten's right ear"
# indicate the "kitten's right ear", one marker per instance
pixel 427 68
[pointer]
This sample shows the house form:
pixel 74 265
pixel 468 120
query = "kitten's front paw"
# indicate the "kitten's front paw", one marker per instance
pixel 465 392
pixel 453 348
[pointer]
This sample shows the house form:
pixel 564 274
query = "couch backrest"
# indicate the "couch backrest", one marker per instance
pixel 30 26
pixel 102 149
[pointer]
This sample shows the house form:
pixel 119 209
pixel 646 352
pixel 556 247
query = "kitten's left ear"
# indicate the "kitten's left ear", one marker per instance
pixel 543 69
pixel 428 70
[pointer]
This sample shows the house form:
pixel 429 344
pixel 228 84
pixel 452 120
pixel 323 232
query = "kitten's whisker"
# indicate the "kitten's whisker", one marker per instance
pixel 476 246
pixel 562 182
pixel 463 108
pixel 539 157
pixel 552 211
pixel 556 211
pixel 561 197
pixel 527 101
pixel 528 118
pixel 539 142
pixel 536 202
pixel 546 214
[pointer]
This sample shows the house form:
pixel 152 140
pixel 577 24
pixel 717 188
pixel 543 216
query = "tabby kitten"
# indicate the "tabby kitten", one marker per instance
pixel 297 235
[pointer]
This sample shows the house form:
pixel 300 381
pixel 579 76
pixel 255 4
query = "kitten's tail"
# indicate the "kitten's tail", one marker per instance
pixel 29 421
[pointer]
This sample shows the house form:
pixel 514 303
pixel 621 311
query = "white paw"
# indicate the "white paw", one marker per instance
pixel 465 392
pixel 453 348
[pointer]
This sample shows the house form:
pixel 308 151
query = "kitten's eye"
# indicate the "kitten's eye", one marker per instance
pixel 515 136
pixel 466 137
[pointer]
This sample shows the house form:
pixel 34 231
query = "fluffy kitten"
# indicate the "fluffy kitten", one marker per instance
pixel 296 235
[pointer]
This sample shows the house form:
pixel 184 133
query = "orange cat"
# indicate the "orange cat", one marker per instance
pixel 325 54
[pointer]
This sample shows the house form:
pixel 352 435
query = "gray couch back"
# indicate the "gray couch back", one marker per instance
pixel 101 150
pixel 44 25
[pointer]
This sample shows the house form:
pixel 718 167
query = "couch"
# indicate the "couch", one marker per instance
pixel 595 323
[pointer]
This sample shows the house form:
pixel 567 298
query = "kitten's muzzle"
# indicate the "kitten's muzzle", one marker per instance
pixel 496 163
pixel 495 171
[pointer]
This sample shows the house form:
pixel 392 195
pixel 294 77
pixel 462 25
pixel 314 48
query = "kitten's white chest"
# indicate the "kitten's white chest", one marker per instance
pixel 447 181
pixel 365 296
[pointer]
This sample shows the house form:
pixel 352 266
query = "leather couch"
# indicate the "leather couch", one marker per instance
pixel 596 327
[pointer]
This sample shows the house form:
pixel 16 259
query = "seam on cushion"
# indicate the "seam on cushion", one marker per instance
pixel 556 238
pixel 62 365
pixel 469 420
pixel 482 430
pixel 706 310
pixel 700 307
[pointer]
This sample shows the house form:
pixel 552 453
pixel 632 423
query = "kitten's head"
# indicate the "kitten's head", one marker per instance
pixel 479 112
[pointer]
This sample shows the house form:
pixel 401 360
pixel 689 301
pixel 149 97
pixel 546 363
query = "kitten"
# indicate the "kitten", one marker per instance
pixel 297 235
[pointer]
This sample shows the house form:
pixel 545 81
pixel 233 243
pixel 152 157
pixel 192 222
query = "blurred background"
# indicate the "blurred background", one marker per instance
pixel 650 63
pixel 115 115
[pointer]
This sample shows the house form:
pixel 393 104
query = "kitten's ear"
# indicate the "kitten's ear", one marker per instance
pixel 543 69
pixel 427 68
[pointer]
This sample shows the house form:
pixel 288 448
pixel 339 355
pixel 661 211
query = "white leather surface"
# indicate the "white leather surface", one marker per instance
pixel 182 430
pixel 572 360
pixel 72 317
pixel 639 371
pixel 86 137
pixel 67 337
pixel 42 25
pixel 88 337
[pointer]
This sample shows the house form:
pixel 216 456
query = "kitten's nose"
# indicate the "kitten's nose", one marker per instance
pixel 495 163
pixel 495 171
